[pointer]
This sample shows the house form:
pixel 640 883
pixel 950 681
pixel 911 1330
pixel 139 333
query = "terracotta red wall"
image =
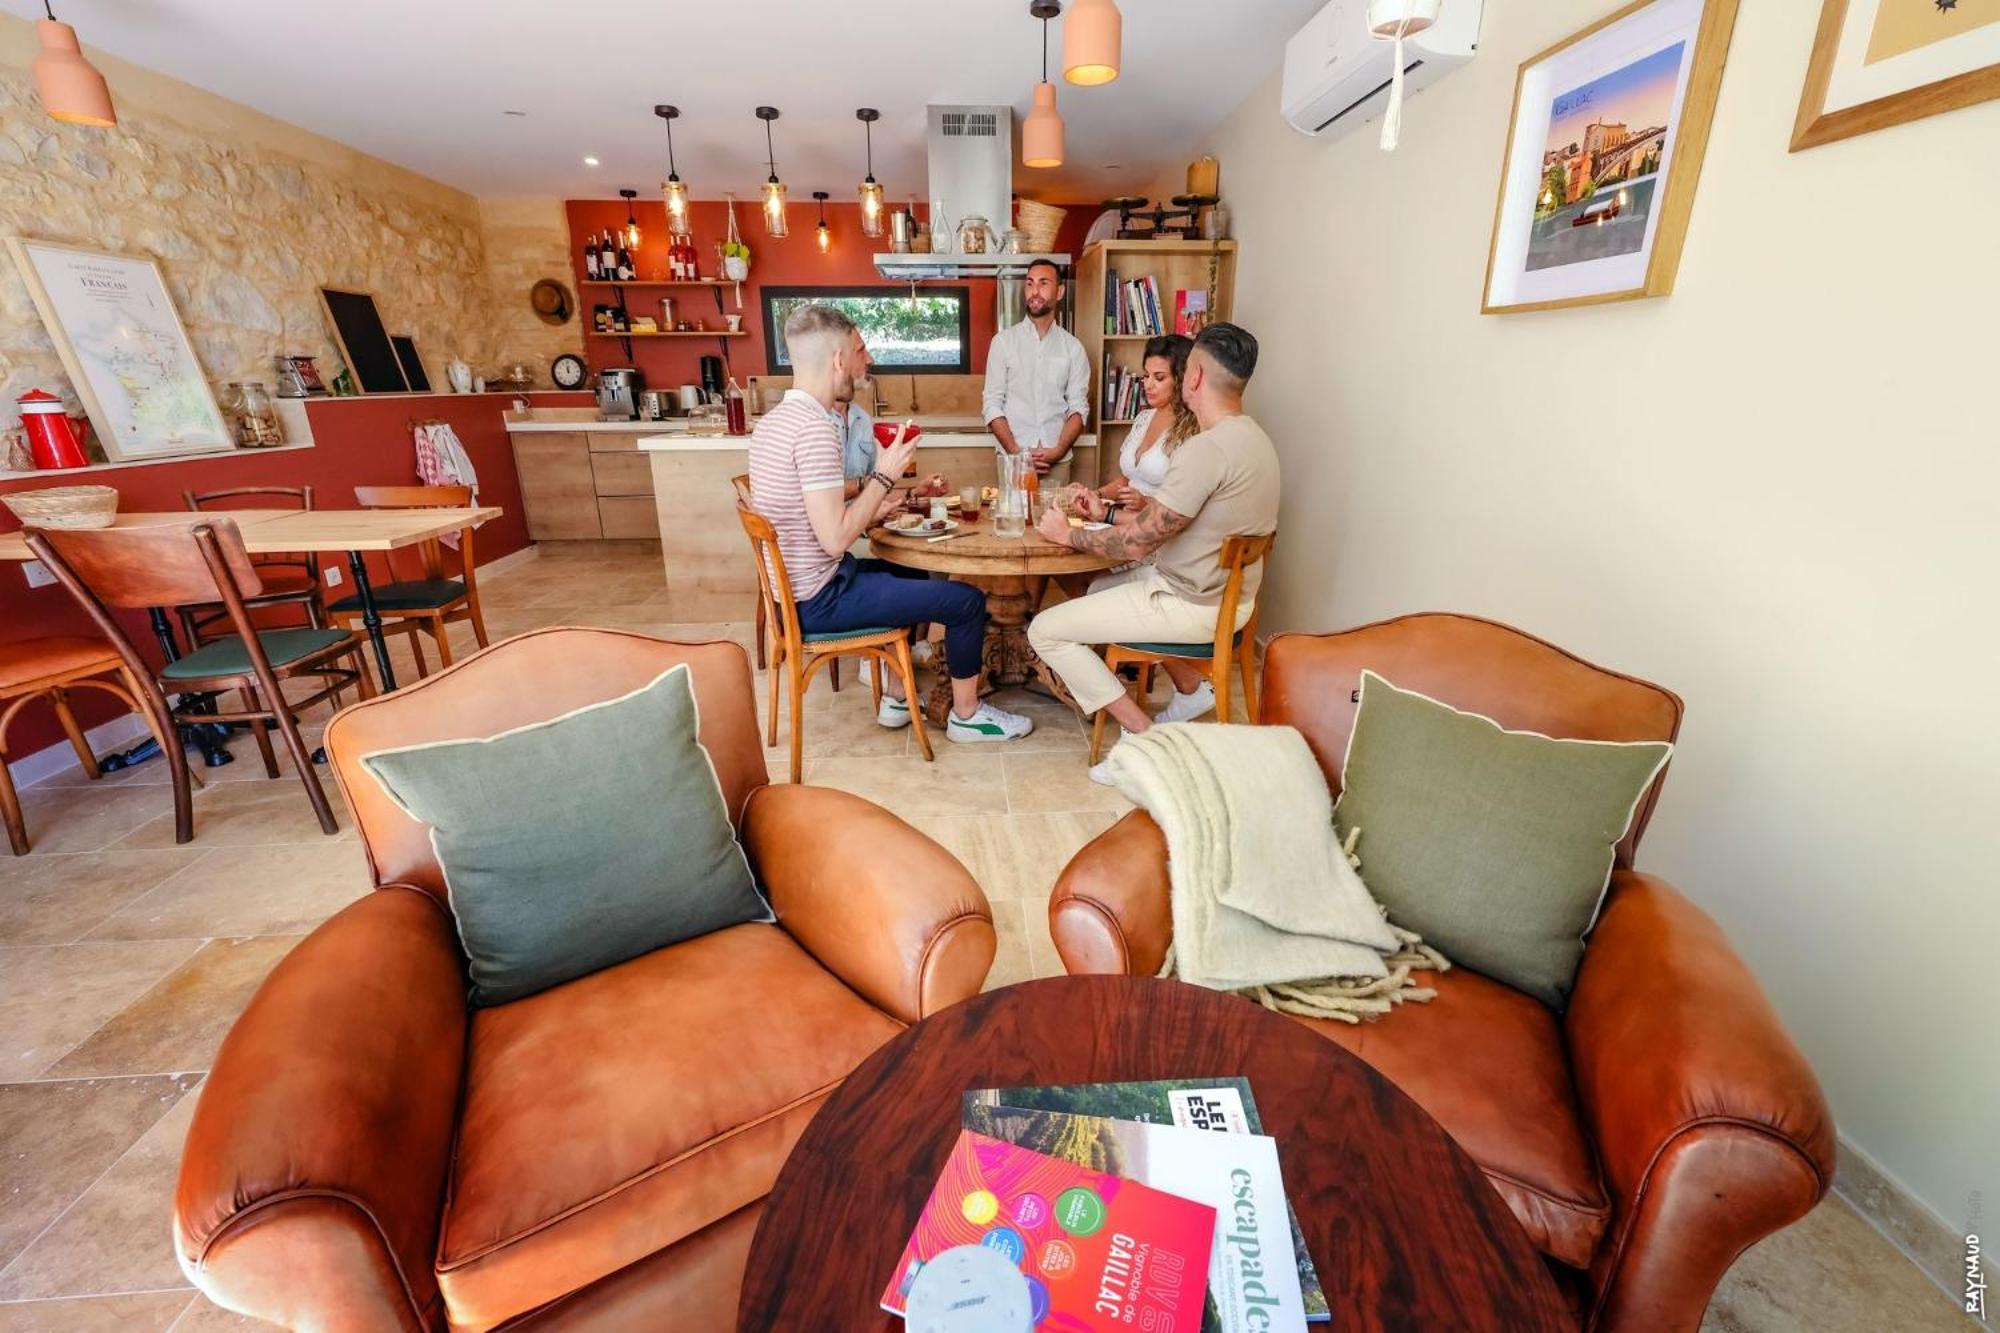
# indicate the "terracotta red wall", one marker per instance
pixel 357 442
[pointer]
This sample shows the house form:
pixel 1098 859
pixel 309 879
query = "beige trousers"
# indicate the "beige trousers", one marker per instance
pixel 1134 606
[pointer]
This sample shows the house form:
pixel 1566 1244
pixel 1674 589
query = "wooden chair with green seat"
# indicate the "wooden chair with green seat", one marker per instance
pixel 1238 554
pixel 796 655
pixel 289 578
pixel 435 600
pixel 203 561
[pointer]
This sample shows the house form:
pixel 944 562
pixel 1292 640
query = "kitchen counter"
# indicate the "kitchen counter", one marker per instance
pixel 683 442
pixel 967 425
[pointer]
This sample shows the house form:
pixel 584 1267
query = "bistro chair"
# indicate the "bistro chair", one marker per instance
pixel 290 578
pixel 797 655
pixel 433 601
pixel 1238 554
pixel 742 485
pixel 49 668
pixel 203 561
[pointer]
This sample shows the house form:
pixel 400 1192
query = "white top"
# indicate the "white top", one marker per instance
pixel 1036 382
pixel 1147 472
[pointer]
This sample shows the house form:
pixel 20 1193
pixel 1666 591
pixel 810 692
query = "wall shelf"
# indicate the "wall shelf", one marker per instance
pixel 661 282
pixel 673 333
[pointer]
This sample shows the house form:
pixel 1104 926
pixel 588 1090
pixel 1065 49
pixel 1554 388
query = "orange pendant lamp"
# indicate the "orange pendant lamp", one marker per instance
pixel 71 89
pixel 1092 35
pixel 1042 131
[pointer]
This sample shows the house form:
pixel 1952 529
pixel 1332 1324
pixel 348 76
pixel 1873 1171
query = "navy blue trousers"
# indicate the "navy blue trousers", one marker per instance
pixel 864 594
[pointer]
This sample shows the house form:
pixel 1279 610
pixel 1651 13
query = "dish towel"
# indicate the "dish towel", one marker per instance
pixel 442 461
pixel 1265 900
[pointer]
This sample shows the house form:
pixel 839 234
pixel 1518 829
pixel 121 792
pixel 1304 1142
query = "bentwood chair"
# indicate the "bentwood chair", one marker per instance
pixel 433 601
pixel 796 655
pixel 1238 555
pixel 289 578
pixel 742 485
pixel 203 561
pixel 48 668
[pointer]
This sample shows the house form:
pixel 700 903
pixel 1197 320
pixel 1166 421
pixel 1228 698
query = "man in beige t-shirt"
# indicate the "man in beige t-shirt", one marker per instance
pixel 1220 483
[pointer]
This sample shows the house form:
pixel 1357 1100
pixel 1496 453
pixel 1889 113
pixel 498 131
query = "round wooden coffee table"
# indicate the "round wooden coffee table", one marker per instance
pixel 999 567
pixel 1404 1229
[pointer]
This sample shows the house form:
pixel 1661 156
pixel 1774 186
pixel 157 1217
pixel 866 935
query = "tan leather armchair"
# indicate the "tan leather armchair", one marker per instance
pixel 1646 1136
pixel 370 1154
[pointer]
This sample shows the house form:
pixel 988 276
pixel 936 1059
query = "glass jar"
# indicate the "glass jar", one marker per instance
pixel 1014 242
pixel 940 229
pixel 975 236
pixel 257 427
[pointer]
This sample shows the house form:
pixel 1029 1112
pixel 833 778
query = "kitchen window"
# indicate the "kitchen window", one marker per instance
pixel 928 332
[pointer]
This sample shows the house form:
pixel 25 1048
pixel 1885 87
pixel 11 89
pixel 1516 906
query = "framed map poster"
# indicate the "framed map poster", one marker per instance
pixel 125 349
pixel 1877 63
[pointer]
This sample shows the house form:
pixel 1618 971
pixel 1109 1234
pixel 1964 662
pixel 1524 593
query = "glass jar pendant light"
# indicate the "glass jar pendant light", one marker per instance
pixel 823 233
pixel 673 190
pixel 1092 35
pixel 631 223
pixel 774 189
pixel 871 191
pixel 1042 131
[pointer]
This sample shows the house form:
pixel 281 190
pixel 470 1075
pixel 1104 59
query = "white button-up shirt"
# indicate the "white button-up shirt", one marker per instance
pixel 1036 382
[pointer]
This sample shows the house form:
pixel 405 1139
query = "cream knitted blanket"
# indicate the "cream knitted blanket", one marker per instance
pixel 1264 898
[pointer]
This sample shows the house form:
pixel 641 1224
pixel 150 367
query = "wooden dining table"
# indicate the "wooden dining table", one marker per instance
pixel 998 566
pixel 272 531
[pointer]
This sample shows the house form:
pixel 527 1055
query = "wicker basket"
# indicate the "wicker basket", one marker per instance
pixel 65 507
pixel 1039 224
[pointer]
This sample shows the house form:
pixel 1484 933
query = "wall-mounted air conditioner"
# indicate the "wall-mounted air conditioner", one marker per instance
pixel 1337 75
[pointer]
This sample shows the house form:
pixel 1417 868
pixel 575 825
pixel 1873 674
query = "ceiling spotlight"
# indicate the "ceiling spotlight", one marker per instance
pixel 590 161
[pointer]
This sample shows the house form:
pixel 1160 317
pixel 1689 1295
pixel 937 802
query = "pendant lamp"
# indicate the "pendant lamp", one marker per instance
pixel 1091 37
pixel 1042 131
pixel 823 234
pixel 871 190
pixel 71 89
pixel 774 189
pixel 631 223
pixel 672 189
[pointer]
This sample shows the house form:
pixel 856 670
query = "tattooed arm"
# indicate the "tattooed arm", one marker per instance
pixel 1144 533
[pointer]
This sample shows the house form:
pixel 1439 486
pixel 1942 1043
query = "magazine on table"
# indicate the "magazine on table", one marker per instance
pixel 1223 1105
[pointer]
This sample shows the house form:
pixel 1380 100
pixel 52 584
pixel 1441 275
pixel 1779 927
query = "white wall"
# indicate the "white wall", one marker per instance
pixel 1786 513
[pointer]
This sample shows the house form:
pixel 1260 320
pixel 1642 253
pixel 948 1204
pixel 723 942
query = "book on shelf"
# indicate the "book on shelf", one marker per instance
pixel 1111 290
pixel 1190 312
pixel 1221 1106
pixel 1097 1251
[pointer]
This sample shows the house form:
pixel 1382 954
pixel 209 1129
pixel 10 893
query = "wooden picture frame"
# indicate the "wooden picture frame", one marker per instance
pixel 127 354
pixel 1841 25
pixel 1635 268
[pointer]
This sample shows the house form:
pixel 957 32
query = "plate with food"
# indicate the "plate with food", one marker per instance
pixel 920 525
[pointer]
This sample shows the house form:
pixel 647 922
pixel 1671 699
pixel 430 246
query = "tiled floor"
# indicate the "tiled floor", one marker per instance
pixel 123 960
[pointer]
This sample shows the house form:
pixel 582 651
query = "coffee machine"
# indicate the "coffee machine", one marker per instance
pixel 711 379
pixel 618 389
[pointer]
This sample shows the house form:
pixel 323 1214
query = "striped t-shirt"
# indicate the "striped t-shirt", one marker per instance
pixel 793 450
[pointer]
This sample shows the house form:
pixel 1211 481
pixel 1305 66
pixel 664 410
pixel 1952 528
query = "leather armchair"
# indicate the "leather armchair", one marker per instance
pixel 369 1154
pixel 1645 1137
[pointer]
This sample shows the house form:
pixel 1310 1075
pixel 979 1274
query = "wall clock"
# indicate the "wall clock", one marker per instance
pixel 569 372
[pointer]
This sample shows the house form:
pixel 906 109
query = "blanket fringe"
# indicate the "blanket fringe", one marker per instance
pixel 1351 999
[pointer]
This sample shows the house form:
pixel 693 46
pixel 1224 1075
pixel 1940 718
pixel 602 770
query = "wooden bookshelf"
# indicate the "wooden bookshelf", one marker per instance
pixel 1173 264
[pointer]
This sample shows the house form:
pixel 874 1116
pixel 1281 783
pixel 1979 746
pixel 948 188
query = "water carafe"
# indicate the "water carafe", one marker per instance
pixel 1010 511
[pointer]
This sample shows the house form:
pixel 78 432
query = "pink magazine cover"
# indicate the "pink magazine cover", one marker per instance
pixel 1099 1253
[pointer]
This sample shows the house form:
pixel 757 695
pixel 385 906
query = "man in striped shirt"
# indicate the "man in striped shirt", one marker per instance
pixel 795 482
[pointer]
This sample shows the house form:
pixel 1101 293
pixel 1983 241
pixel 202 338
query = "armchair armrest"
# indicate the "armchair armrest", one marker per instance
pixel 314 1172
pixel 1711 1127
pixel 886 909
pixel 1110 910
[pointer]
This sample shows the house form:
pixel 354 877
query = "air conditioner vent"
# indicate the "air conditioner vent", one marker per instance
pixel 969 125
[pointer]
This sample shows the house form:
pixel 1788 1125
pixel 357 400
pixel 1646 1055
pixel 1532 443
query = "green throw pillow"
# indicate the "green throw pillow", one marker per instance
pixel 577 843
pixel 1494 845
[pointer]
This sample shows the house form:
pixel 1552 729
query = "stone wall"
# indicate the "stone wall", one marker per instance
pixel 527 240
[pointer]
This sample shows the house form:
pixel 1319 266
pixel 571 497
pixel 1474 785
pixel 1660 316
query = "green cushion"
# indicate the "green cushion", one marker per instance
pixel 416 595
pixel 1180 649
pixel 1496 846
pixel 228 657
pixel 571 845
pixel 828 636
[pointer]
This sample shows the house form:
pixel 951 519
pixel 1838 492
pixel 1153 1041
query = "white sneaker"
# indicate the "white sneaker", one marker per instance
pixel 1187 707
pixel 893 713
pixel 988 724
pixel 923 653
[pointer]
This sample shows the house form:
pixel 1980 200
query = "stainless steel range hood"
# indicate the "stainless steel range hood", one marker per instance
pixel 971 161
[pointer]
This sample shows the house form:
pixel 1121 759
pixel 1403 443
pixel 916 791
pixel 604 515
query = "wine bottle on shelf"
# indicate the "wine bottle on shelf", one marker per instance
pixel 590 258
pixel 628 268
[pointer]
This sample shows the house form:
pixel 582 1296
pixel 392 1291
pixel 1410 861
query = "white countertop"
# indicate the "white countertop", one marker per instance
pixel 682 442
pixel 945 425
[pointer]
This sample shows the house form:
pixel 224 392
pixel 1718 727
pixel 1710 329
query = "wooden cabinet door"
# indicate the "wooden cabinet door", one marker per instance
pixel 628 473
pixel 557 488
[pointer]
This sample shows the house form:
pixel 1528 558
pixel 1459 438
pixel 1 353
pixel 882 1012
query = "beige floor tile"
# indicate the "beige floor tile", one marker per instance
pixel 178 1024
pixel 53 996
pixel 1058 781
pixel 965 780
pixel 58 1136
pixel 205 1316
pixel 118 1236
pixel 1015 856
pixel 1010 958
pixel 236 891
pixel 248 814
pixel 1831 1273
pixel 89 819
pixel 139 1312
pixel 56 899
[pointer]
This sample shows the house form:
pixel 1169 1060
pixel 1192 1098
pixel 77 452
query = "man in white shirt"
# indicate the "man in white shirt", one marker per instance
pixel 1038 380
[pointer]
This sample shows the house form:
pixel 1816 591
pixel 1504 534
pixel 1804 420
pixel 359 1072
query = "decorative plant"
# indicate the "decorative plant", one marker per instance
pixel 735 255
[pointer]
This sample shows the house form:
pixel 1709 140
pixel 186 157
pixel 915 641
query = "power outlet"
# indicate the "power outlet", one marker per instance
pixel 38 574
pixel 333 576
